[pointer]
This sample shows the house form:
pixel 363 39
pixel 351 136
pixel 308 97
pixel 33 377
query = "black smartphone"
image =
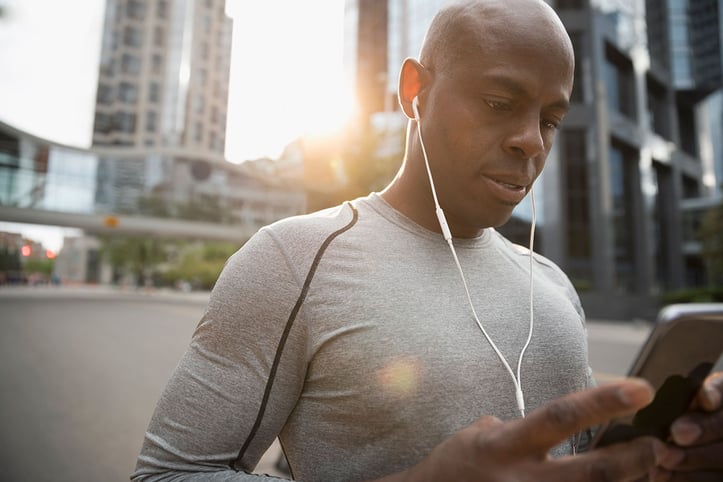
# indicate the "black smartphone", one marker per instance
pixel 685 345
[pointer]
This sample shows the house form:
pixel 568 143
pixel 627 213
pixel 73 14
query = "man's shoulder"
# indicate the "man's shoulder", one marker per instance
pixel 305 231
pixel 324 221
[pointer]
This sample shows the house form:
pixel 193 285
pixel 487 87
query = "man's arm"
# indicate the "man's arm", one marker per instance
pixel 214 419
pixel 491 451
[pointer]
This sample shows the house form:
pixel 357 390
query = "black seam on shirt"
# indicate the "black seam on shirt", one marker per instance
pixel 287 329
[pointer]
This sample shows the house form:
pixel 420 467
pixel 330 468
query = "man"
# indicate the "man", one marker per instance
pixel 355 337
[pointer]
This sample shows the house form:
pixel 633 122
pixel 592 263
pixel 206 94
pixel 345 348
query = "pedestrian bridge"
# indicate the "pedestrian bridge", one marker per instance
pixel 129 225
pixel 167 193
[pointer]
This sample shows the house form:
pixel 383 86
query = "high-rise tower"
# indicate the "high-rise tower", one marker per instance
pixel 164 73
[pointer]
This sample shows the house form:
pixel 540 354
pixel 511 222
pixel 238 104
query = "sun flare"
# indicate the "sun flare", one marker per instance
pixel 287 76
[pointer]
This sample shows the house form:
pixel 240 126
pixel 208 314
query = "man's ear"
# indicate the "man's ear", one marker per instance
pixel 412 79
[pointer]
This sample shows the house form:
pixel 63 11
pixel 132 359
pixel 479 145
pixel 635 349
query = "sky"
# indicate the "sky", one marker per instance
pixel 287 74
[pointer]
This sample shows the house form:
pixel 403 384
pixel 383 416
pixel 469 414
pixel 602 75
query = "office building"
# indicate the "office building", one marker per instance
pixel 164 74
pixel 628 152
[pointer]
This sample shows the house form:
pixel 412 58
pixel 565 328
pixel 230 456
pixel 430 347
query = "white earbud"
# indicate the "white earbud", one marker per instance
pixel 415 108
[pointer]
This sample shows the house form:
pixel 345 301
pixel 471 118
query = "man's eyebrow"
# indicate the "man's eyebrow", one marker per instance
pixel 516 88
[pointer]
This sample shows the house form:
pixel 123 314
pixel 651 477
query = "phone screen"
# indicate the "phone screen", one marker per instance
pixel 680 352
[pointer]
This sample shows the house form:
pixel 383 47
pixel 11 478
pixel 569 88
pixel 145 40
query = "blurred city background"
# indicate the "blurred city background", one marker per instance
pixel 144 141
pixel 182 92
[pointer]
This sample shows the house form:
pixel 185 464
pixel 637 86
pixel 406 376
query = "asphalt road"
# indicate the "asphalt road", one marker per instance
pixel 81 370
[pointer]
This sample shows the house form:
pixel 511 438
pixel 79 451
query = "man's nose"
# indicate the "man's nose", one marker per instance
pixel 526 140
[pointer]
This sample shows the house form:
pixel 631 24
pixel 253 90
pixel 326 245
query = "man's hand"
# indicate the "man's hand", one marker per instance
pixel 699 436
pixel 490 450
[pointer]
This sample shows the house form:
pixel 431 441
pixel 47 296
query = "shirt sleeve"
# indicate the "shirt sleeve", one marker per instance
pixel 230 394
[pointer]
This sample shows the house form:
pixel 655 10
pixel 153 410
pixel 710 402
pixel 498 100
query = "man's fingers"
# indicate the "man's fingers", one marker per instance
pixel 549 425
pixel 630 461
pixel 697 429
pixel 710 398
pixel 487 422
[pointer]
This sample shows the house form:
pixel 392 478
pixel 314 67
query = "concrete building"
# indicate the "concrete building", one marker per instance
pixel 627 155
pixel 164 74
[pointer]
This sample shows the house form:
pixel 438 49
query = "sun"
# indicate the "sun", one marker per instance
pixel 287 75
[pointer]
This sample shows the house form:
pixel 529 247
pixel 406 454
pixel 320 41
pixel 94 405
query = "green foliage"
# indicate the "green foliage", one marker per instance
pixel 9 259
pixel 168 262
pixel 200 207
pixel 39 265
pixel 200 264
pixel 368 160
pixel 711 238
pixel 694 295
pixel 137 256
pixel 368 170
pixel 582 285
pixel 155 206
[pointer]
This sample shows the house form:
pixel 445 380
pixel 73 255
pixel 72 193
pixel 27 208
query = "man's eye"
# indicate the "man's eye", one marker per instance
pixel 498 105
pixel 551 123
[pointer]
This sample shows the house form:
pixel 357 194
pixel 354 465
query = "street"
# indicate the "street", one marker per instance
pixel 81 370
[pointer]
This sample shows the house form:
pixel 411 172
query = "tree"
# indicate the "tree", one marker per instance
pixel 365 156
pixel 200 264
pixel 138 256
pixel 710 234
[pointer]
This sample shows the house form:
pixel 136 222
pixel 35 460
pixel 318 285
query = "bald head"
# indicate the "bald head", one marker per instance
pixel 463 28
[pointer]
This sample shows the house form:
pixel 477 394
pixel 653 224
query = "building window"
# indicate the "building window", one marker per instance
pixel 663 210
pixel 623 163
pixel 578 92
pixel 156 63
pixel 198 104
pixel 159 36
pixel 132 37
pixel 687 128
pixel 151 121
pixel 691 187
pixel 570 4
pixel 130 64
pixel 575 172
pixel 135 9
pixel 619 82
pixel 657 108
pixel 162 8
pixel 103 123
pixel 124 122
pixel 128 93
pixel 105 94
pixel 154 92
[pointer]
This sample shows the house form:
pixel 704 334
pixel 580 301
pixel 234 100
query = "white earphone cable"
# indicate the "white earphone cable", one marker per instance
pixel 516 379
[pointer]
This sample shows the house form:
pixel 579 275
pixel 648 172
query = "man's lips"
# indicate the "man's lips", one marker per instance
pixel 507 190
pixel 509 185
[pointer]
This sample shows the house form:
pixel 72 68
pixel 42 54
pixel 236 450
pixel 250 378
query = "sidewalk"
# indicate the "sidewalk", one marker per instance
pixel 81 291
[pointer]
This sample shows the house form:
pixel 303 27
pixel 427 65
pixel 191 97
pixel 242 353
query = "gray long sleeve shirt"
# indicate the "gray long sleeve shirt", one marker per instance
pixel 380 363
